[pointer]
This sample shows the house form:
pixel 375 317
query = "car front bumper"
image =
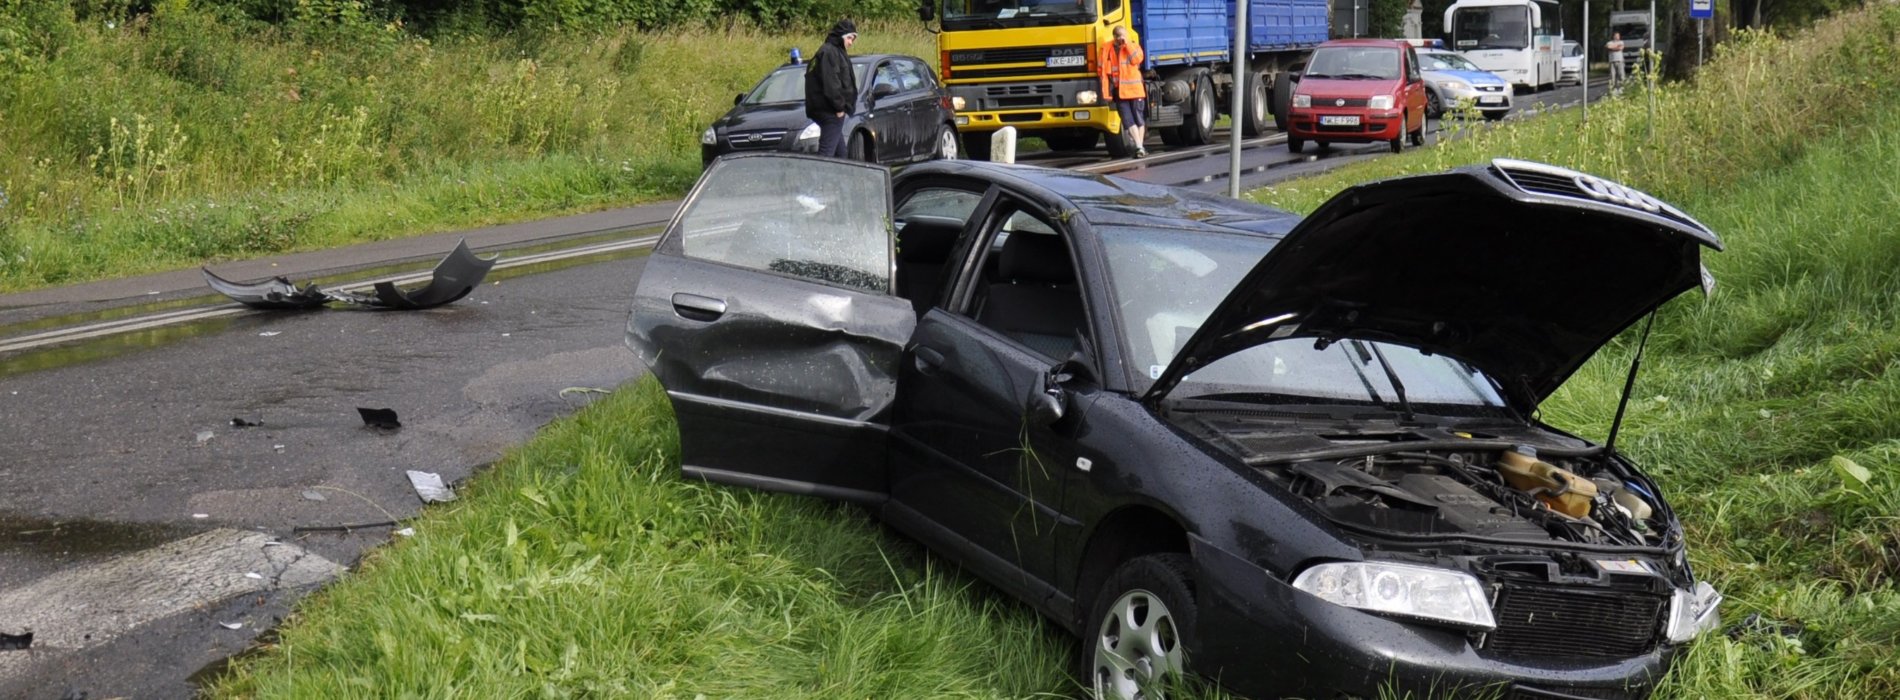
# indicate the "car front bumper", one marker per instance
pixel 1383 125
pixel 1486 101
pixel 1264 638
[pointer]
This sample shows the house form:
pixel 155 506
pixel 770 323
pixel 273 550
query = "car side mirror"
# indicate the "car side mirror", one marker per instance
pixel 926 10
pixel 736 99
pixel 1049 402
pixel 882 91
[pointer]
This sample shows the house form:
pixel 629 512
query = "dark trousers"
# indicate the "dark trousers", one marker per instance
pixel 831 136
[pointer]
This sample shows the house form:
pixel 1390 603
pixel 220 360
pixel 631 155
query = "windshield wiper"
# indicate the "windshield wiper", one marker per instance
pixel 1363 76
pixel 1398 387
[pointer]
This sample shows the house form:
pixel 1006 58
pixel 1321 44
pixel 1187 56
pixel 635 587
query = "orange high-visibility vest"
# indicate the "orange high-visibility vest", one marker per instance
pixel 1123 67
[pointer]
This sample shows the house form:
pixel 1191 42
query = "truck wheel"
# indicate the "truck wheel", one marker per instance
pixel 1282 99
pixel 1255 107
pixel 1121 145
pixel 1170 135
pixel 976 145
pixel 1197 129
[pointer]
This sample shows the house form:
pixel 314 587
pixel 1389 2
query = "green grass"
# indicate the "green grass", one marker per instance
pixel 582 565
pixel 184 136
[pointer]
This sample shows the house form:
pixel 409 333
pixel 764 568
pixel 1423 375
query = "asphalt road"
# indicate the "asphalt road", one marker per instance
pixel 138 525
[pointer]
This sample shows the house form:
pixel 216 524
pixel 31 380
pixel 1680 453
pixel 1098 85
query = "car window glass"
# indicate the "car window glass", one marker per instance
pixel 887 76
pixel 820 220
pixel 783 85
pixel 1167 283
pixel 941 202
pixel 1026 286
pixel 1411 65
pixel 924 74
pixel 907 78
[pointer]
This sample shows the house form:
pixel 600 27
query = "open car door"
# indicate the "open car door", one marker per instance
pixel 766 311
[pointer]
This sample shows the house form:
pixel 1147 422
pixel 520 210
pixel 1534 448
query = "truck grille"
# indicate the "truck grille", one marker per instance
pixel 1544 622
pixel 975 63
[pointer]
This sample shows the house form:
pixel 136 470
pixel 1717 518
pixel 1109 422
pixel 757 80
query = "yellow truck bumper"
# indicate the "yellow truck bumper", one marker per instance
pixel 1098 116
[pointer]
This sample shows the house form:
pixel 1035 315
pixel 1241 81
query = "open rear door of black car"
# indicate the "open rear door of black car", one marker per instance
pixel 766 311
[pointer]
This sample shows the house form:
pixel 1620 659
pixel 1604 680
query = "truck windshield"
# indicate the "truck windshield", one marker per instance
pixel 1491 28
pixel 1006 14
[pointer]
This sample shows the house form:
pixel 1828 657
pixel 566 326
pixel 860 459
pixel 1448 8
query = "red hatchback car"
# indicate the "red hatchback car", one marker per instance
pixel 1359 91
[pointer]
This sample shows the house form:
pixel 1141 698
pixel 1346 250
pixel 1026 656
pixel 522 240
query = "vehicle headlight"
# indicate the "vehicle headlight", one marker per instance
pixel 1302 101
pixel 1693 612
pixel 1402 590
pixel 1380 102
pixel 1087 97
pixel 1458 85
pixel 708 137
pixel 810 133
pixel 957 103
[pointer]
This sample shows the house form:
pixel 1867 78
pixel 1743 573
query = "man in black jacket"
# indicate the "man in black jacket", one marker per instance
pixel 831 88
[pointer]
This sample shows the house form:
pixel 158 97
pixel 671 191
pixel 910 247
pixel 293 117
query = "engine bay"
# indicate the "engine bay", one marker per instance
pixel 1508 494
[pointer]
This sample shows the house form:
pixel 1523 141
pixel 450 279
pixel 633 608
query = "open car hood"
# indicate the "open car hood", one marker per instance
pixel 1520 269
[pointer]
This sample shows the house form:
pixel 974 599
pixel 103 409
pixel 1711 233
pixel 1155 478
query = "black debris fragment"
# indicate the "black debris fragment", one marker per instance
pixel 1756 624
pixel 15 642
pixel 379 418
pixel 245 423
pixel 454 277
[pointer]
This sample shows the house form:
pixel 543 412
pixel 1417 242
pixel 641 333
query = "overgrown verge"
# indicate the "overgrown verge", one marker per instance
pixel 193 134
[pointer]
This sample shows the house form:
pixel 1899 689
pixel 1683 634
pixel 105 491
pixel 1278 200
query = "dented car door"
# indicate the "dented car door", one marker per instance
pixel 766 312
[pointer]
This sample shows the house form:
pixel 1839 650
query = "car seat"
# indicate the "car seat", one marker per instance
pixel 923 250
pixel 1034 298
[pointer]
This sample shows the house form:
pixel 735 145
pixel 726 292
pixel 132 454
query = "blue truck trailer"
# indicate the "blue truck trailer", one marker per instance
pixel 1031 64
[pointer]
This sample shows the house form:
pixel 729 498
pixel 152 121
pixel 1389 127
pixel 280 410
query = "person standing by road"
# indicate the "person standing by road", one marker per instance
pixel 1122 84
pixel 831 88
pixel 1615 47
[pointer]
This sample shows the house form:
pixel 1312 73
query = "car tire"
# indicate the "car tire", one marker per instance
pixel 1294 145
pixel 1434 107
pixel 947 143
pixel 976 145
pixel 1418 135
pixel 1140 628
pixel 860 149
pixel 1495 114
pixel 1398 143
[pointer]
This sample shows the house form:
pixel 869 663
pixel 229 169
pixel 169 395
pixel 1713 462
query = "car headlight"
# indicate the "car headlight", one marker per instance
pixel 1693 612
pixel 1402 590
pixel 1458 85
pixel 957 103
pixel 1087 97
pixel 1302 101
pixel 810 133
pixel 708 137
pixel 1380 102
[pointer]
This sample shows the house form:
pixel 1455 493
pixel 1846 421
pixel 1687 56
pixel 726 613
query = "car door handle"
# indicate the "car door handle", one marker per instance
pixel 697 308
pixel 928 360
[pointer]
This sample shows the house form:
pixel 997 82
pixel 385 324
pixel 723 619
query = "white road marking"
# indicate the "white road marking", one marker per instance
pixel 79 608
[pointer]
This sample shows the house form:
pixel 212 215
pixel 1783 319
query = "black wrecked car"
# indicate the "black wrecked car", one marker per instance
pixel 903 115
pixel 1297 456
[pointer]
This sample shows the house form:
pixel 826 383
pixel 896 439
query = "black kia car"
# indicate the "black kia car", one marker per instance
pixel 903 115
pixel 1296 456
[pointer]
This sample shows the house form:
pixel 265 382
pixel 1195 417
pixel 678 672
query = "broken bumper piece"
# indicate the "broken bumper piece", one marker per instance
pixel 457 275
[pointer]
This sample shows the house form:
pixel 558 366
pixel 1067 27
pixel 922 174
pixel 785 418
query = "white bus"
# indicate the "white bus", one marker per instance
pixel 1516 39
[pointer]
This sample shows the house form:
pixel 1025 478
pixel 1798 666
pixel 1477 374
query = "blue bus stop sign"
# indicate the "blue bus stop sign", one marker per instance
pixel 1701 9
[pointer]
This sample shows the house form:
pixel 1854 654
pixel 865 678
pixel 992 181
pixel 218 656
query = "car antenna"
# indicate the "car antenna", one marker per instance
pixel 1629 384
pixel 1398 387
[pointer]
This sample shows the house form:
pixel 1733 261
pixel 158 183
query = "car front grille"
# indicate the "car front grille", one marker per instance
pixel 1564 624
pixel 1319 102
pixel 1490 88
pixel 755 139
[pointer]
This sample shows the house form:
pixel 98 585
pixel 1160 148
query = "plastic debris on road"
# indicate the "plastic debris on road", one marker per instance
pixel 379 418
pixel 429 487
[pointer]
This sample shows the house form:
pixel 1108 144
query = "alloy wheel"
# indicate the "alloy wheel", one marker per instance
pixel 1137 649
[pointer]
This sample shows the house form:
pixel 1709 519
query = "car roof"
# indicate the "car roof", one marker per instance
pixel 1104 200
pixel 1388 43
pixel 858 59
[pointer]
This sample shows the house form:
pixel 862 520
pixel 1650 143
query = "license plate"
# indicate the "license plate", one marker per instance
pixel 1067 61
pixel 1333 120
pixel 1491 99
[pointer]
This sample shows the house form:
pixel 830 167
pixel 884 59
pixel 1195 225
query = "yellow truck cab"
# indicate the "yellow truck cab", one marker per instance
pixel 1032 64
